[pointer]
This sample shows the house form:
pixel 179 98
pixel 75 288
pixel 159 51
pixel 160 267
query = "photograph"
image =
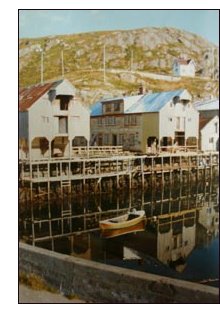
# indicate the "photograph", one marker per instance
pixel 118 156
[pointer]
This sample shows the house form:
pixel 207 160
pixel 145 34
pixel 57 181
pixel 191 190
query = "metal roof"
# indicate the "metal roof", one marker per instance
pixel 28 96
pixel 96 108
pixel 154 102
pixel 207 105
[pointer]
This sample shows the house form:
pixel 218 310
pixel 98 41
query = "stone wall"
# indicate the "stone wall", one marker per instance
pixel 101 283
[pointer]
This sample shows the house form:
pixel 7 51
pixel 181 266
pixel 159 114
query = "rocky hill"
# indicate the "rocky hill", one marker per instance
pixel 142 50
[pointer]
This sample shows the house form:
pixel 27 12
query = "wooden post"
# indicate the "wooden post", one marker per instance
pixel 48 181
pixel 189 169
pixel 32 224
pixel 38 171
pixel 142 173
pixel 49 149
pixel 130 183
pixel 162 170
pixel 61 186
pixel 56 170
pixel 117 181
pixel 171 168
pixel 180 170
pixel 84 173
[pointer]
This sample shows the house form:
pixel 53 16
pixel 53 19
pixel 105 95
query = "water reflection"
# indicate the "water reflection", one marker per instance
pixel 177 238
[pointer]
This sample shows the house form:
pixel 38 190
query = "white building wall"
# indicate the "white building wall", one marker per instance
pixel 185 244
pixel 192 122
pixel 187 70
pixel 79 121
pixel 209 135
pixel 167 121
pixel 189 120
pixel 41 119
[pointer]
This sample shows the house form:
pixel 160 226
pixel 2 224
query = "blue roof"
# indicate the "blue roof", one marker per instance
pixel 96 109
pixel 153 102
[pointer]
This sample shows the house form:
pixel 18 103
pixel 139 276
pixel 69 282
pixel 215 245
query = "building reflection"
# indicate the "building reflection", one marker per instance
pixel 177 221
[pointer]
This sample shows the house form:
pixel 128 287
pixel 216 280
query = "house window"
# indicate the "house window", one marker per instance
pixel 116 107
pixel 45 119
pixel 132 139
pixel 121 139
pixel 211 140
pixel 170 119
pixel 133 120
pixel 216 128
pixel 130 120
pixel 110 120
pixel 99 121
pixel 107 107
pixel 126 120
pixel 63 125
pixel 106 139
pixel 64 103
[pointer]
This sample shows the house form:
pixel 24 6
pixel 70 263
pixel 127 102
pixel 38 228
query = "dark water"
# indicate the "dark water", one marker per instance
pixel 180 238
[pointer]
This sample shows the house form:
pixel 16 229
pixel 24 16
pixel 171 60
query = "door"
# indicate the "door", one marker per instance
pixel 114 140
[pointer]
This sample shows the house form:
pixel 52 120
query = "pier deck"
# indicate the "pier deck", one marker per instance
pixel 119 170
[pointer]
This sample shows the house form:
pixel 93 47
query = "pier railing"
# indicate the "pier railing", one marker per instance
pixel 172 149
pixel 59 169
pixel 97 151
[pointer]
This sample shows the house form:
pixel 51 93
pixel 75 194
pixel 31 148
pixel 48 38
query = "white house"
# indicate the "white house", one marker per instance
pixel 184 67
pixel 207 108
pixel 137 121
pixel 51 121
pixel 209 133
pixel 173 246
pixel 209 218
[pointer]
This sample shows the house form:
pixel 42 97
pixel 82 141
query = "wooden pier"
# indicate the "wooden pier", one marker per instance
pixel 101 174
pixel 38 223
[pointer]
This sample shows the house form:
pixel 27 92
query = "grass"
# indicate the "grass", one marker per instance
pixel 117 57
pixel 35 282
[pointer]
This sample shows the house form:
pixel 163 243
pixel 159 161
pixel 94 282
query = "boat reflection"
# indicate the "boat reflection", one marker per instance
pixel 111 233
pixel 180 231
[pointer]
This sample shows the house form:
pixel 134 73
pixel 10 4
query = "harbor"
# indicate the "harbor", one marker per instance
pixel 40 178
pixel 183 218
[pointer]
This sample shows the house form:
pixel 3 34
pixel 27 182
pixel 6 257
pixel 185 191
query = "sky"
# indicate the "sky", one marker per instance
pixel 39 23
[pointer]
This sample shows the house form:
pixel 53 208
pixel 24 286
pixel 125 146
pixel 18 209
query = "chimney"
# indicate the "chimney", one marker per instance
pixel 141 90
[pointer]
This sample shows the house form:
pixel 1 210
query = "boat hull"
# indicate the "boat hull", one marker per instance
pixel 122 224
pixel 111 233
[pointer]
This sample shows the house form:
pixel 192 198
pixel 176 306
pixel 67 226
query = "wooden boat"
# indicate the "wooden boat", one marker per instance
pixel 123 221
pixel 111 233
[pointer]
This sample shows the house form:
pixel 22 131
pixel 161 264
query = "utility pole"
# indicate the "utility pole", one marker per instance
pixel 62 64
pixel 104 63
pixel 42 67
pixel 132 58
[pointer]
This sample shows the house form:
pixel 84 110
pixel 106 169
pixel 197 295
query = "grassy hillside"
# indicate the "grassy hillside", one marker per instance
pixel 153 50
